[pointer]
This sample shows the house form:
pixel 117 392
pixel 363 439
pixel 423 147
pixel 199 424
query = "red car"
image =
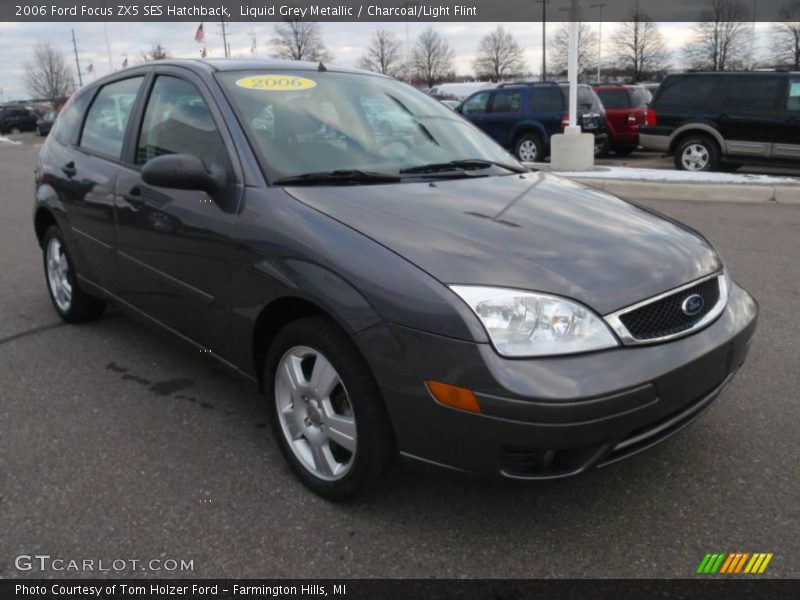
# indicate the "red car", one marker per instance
pixel 626 107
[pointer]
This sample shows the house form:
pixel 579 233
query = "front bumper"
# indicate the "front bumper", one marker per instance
pixel 552 417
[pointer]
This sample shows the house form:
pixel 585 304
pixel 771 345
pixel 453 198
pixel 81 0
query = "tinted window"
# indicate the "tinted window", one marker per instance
pixel 547 99
pixel 178 121
pixel 614 98
pixel 69 119
pixel 506 101
pixel 639 96
pixel 753 94
pixel 108 116
pixel 794 95
pixel 687 94
pixel 476 104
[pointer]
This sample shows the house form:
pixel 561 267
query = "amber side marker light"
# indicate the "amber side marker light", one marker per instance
pixel 453 396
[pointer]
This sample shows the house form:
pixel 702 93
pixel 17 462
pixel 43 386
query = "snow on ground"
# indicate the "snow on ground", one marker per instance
pixel 658 175
pixel 6 140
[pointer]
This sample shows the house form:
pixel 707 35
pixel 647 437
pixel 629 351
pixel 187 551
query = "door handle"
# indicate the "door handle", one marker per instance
pixel 69 169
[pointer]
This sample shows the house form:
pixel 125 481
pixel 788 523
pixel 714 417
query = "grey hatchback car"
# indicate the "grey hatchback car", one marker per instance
pixel 408 290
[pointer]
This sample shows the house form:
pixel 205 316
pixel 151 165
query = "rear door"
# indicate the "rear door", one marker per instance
pixel 547 106
pixel 747 115
pixel 787 135
pixel 86 171
pixel 174 245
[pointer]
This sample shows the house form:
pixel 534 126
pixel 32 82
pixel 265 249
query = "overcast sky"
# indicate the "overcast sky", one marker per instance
pixel 346 41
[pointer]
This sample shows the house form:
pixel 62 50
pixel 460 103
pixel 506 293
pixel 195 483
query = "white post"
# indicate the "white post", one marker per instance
pixel 573 68
pixel 108 48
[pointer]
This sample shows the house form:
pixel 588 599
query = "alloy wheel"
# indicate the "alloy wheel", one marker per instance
pixel 58 275
pixel 695 157
pixel 528 151
pixel 315 413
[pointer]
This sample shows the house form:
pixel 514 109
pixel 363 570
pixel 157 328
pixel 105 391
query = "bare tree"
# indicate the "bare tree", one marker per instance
pixel 559 49
pixel 47 75
pixel 638 46
pixel 721 37
pixel 787 36
pixel 295 39
pixel 157 52
pixel 432 57
pixel 499 55
pixel 383 54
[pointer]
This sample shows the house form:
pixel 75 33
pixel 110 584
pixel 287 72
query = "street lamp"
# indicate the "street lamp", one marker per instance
pixel 599 37
pixel 544 4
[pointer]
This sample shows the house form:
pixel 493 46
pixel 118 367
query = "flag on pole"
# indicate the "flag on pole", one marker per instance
pixel 125 63
pixel 200 35
pixel 203 52
pixel 90 68
pixel 253 46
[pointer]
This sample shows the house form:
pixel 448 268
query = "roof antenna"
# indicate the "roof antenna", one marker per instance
pixel 321 68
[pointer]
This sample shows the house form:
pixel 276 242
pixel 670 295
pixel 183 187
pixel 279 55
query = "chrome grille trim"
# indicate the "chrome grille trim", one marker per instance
pixel 613 319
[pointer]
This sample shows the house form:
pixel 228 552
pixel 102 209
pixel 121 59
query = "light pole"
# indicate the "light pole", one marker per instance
pixel 752 40
pixel 600 37
pixel 544 4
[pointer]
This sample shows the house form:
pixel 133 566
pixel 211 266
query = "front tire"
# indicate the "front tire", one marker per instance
pixel 326 412
pixel 72 304
pixel 697 153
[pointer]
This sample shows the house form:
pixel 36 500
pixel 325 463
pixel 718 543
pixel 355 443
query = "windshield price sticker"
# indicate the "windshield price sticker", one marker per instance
pixel 276 83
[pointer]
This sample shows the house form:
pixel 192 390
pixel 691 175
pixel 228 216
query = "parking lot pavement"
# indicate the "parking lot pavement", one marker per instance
pixel 644 159
pixel 117 442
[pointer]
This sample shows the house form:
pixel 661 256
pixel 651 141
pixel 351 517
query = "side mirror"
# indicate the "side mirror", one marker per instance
pixel 180 172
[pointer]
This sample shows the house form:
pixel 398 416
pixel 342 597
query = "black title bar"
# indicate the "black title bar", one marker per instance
pixel 380 10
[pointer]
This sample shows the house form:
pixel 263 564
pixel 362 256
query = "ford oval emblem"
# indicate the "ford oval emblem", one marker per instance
pixel 692 305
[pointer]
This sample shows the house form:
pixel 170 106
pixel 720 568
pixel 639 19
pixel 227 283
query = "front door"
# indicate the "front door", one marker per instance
pixel 787 136
pixel 173 245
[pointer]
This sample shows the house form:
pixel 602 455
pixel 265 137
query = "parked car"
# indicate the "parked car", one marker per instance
pixel 420 294
pixel 451 104
pixel 625 113
pixel 45 123
pixel 711 121
pixel 523 116
pixel 15 118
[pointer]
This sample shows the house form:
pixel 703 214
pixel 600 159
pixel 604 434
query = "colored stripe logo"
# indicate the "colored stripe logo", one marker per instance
pixel 735 562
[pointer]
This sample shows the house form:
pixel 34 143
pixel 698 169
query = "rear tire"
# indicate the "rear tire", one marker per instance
pixel 529 148
pixel 326 411
pixel 697 153
pixel 72 304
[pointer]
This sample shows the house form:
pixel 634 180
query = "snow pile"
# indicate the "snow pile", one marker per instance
pixel 659 175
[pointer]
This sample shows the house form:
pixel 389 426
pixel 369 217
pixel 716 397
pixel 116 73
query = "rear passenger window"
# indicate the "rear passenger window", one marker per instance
pixel 547 99
pixel 793 102
pixel 753 94
pixel 687 94
pixel 506 101
pixel 178 121
pixel 69 119
pixel 476 104
pixel 104 130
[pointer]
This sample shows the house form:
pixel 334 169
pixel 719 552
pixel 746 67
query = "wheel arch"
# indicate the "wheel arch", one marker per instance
pixel 685 131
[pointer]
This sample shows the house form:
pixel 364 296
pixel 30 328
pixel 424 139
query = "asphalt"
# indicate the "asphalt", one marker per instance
pixel 118 443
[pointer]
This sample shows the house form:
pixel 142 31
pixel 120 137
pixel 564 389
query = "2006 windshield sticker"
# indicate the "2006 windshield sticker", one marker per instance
pixel 276 83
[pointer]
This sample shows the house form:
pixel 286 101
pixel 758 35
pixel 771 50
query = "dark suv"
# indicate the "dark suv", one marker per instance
pixel 15 118
pixel 523 116
pixel 710 121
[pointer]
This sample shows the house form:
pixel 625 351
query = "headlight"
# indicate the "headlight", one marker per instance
pixel 531 324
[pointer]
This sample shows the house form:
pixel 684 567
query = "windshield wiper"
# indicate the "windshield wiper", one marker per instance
pixel 463 165
pixel 338 178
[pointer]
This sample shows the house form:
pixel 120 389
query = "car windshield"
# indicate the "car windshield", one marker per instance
pixel 314 122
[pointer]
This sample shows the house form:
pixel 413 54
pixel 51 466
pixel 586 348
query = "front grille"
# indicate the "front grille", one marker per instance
pixel 665 317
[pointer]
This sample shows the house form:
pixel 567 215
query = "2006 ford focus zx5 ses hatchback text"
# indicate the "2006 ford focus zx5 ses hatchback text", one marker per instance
pixel 393 280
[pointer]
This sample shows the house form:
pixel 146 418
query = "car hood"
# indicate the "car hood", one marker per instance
pixel 534 232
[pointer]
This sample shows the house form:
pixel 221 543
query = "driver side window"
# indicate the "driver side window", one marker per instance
pixel 178 121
